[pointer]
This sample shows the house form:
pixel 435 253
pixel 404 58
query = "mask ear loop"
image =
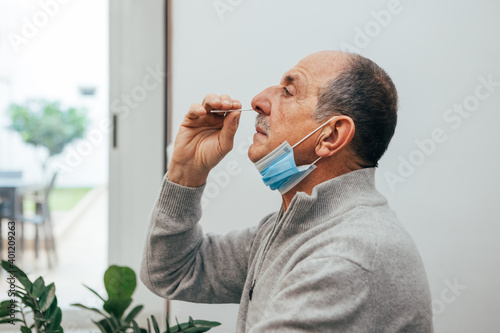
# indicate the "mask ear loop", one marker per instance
pixel 308 135
pixel 316 161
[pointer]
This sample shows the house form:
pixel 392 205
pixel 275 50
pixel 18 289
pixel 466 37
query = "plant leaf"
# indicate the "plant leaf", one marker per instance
pixel 179 327
pixel 88 308
pixel 39 317
pixel 135 327
pixel 28 302
pixel 114 323
pixel 38 287
pixel 47 297
pixel 19 294
pixel 207 323
pixel 95 292
pixel 58 318
pixel 168 324
pixel 8 320
pixel 18 273
pixel 195 329
pixel 120 282
pixel 56 322
pixel 100 326
pixel 5 307
pixel 134 312
pixel 194 326
pixel 155 324
pixel 108 325
pixel 24 329
pixel 116 306
pixel 51 312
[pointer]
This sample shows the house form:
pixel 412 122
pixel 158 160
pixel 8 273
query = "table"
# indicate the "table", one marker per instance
pixel 11 194
pixel 11 197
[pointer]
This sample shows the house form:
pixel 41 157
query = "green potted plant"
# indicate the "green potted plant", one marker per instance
pixel 192 326
pixel 120 284
pixel 30 298
pixel 40 301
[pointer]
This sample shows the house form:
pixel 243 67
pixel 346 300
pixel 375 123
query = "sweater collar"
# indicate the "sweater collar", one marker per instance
pixel 332 198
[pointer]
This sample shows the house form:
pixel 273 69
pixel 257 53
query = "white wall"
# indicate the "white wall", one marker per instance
pixel 435 52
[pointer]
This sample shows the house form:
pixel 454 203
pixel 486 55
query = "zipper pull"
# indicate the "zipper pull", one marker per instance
pixel 251 290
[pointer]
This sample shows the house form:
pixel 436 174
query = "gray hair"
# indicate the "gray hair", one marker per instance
pixel 364 92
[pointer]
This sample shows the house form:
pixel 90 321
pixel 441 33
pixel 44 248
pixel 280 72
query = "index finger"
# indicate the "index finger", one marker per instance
pixel 212 102
pixel 195 111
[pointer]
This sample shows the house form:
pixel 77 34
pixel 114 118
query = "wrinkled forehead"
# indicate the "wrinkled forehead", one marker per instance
pixel 316 69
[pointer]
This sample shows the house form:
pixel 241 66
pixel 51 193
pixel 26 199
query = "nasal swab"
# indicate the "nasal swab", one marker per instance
pixel 220 111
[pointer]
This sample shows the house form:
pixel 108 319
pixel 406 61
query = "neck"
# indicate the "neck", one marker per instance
pixel 323 172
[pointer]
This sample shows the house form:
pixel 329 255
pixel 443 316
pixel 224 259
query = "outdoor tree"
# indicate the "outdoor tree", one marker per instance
pixel 45 124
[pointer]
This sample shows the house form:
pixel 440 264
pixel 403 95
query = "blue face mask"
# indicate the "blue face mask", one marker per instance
pixel 278 168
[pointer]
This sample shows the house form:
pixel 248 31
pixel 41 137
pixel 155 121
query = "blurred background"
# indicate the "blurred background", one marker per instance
pixel 92 93
pixel 54 93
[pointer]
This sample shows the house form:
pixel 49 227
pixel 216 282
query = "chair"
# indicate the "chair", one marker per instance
pixel 9 180
pixel 1 236
pixel 41 219
pixel 8 205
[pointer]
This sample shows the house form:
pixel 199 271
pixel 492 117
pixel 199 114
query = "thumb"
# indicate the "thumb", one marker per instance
pixel 229 128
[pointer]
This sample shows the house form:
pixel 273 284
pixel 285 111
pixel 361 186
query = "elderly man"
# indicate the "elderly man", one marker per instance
pixel 334 258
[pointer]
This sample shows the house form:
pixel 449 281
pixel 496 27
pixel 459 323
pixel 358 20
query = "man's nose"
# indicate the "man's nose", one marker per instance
pixel 262 102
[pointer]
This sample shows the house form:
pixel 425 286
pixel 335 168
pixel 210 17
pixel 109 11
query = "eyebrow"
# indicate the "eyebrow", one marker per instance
pixel 296 81
pixel 289 79
pixel 292 79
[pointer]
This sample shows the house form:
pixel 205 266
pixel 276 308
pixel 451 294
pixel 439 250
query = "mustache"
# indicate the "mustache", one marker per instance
pixel 262 122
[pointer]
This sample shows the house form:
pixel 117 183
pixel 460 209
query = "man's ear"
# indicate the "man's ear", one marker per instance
pixel 335 136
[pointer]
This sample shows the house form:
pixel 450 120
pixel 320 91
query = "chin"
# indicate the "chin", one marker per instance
pixel 251 153
pixel 258 149
pixel 254 154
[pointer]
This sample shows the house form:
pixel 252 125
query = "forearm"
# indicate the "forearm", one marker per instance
pixel 179 262
pixel 171 236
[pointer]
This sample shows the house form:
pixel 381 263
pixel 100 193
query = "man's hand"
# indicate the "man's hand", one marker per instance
pixel 203 140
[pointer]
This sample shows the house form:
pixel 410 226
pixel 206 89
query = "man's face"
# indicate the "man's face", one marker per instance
pixel 285 110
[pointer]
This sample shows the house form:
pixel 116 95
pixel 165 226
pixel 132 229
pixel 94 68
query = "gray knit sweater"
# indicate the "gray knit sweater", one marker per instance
pixel 337 260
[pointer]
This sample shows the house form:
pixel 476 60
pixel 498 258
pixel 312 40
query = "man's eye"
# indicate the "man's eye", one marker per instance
pixel 287 93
